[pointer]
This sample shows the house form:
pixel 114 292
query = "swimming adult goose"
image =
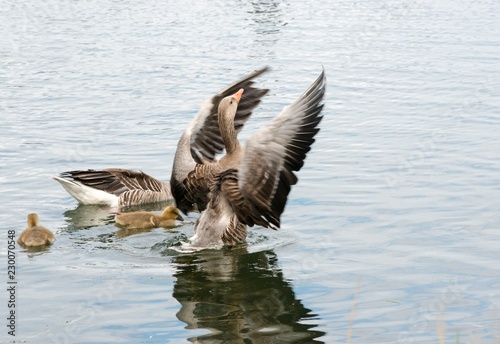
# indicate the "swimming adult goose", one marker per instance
pixel 251 187
pixel 115 187
pixel 200 142
pixel 35 235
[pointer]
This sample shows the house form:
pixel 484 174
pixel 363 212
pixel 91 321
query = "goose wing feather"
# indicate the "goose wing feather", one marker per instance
pixel 115 181
pixel 202 140
pixel 198 184
pixel 271 156
pixel 204 128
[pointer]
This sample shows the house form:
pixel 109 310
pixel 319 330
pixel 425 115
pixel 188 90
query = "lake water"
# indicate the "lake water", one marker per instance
pixel 390 236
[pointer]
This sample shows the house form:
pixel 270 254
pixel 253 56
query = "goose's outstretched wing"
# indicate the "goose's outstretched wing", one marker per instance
pixel 205 134
pixel 271 156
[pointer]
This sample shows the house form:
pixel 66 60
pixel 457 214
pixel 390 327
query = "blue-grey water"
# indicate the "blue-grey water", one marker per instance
pixel 390 236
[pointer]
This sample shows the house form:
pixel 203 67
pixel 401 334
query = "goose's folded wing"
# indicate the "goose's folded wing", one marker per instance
pixel 272 154
pixel 197 184
pixel 225 185
pixel 114 180
pixel 204 129
pixel 137 180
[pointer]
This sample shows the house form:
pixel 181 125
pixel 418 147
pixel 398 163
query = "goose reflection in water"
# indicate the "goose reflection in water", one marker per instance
pixel 240 297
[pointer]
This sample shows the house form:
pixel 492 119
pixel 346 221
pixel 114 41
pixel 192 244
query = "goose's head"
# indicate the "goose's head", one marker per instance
pixel 33 220
pixel 171 213
pixel 229 105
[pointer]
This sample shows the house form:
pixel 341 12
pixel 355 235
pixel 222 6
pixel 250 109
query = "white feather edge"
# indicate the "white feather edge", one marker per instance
pixel 87 195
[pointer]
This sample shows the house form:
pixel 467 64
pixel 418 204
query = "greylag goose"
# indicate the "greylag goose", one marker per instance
pixel 35 235
pixel 115 187
pixel 146 219
pixel 250 186
pixel 200 142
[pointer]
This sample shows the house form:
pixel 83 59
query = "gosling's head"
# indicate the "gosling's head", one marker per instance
pixel 33 220
pixel 229 105
pixel 172 213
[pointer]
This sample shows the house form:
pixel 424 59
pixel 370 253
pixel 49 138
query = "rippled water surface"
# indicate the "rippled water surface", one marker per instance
pixel 390 236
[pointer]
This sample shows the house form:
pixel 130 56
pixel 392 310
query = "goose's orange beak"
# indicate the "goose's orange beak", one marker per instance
pixel 238 94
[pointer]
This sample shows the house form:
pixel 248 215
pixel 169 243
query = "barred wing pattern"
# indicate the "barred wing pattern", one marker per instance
pixel 115 180
pixel 271 156
pixel 131 187
pixel 205 134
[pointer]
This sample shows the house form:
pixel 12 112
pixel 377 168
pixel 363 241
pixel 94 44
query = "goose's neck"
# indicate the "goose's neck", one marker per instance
pixel 183 161
pixel 33 220
pixel 228 133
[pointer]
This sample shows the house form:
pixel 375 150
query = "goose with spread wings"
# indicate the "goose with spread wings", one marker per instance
pixel 201 142
pixel 250 186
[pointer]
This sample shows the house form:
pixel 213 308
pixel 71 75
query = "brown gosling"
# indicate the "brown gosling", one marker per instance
pixel 146 219
pixel 35 235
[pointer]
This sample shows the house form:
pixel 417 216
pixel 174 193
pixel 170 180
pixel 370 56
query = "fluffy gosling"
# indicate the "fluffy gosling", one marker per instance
pixel 146 219
pixel 35 235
